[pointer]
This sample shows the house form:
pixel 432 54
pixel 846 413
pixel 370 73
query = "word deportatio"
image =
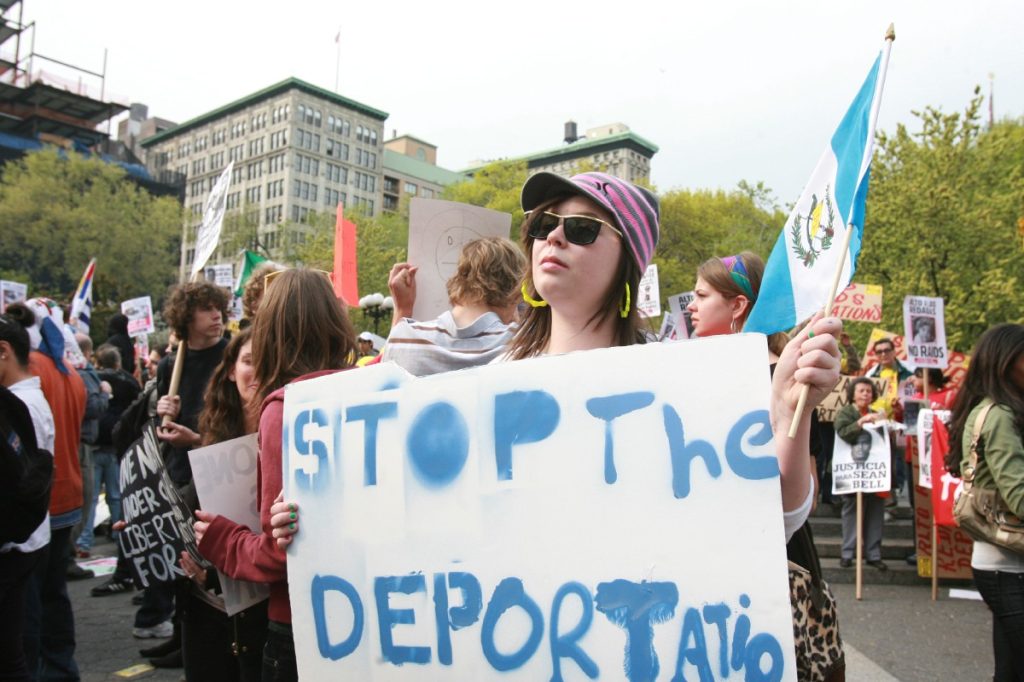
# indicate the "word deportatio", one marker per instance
pixel 612 514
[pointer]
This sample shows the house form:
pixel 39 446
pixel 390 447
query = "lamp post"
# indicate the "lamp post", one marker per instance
pixel 376 306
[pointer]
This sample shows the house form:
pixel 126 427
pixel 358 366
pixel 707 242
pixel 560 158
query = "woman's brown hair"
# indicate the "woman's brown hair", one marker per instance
pixel 535 328
pixel 224 414
pixel 299 328
pixel 489 272
pixel 717 275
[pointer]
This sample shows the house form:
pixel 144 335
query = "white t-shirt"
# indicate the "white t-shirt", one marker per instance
pixel 30 392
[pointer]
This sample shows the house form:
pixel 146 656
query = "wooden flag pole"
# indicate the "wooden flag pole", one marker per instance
pixel 935 526
pixel 860 544
pixel 890 37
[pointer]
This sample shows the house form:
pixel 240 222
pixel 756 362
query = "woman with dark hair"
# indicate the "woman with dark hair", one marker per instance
pixel 849 425
pixel 117 336
pixel 993 391
pixel 724 295
pixel 300 332
pixel 940 397
pixel 19 559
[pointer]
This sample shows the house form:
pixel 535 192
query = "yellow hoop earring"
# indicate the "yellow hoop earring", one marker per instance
pixel 624 313
pixel 534 303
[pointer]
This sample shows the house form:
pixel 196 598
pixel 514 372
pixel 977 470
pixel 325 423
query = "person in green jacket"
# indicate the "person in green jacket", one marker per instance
pixel 996 377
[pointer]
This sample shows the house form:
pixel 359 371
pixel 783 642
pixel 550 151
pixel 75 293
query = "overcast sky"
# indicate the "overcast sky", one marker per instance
pixel 727 90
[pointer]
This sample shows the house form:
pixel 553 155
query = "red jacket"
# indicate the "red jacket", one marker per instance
pixel 65 394
pixel 238 551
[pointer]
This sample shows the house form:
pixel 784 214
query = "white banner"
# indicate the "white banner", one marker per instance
pixel 925 419
pixel 924 332
pixel 864 466
pixel 213 217
pixel 139 312
pixel 11 292
pixel 225 478
pixel 572 515
pixel 648 298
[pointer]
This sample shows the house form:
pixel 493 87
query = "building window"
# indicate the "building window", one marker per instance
pixel 426 193
pixel 410 189
pixel 335 173
pixel 390 203
pixel 391 185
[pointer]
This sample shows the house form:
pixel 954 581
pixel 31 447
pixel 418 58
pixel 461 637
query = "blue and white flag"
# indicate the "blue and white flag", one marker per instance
pixel 81 304
pixel 803 263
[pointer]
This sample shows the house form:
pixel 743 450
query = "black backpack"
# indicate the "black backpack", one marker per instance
pixel 128 428
pixel 26 472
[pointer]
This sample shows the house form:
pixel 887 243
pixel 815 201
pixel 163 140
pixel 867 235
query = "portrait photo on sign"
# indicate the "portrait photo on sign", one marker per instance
pixel 924 328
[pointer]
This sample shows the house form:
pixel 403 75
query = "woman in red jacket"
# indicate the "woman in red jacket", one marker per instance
pixel 300 332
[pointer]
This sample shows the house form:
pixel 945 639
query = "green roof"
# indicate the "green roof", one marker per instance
pixel 414 168
pixel 584 147
pixel 266 93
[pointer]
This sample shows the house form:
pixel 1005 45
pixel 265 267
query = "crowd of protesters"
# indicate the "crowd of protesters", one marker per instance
pixel 568 287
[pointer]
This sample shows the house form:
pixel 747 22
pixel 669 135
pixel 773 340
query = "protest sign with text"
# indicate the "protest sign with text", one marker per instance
pixel 11 292
pixel 222 274
pixel 677 305
pixel 158 526
pixel 924 325
pixel 864 465
pixel 859 303
pixel 837 398
pixel 925 419
pixel 225 478
pixel 648 296
pixel 139 312
pixel 570 515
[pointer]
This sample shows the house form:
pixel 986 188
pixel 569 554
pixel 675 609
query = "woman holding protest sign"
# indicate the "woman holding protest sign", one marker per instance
pixel 216 646
pixel 849 425
pixel 588 240
pixel 990 410
pixel 299 332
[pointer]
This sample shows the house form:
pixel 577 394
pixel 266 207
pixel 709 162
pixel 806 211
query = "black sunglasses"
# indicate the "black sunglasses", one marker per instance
pixel 579 229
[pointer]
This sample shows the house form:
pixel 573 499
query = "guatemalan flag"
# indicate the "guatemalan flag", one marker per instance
pixel 81 304
pixel 803 263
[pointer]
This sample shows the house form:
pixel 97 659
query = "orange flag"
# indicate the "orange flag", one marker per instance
pixel 345 275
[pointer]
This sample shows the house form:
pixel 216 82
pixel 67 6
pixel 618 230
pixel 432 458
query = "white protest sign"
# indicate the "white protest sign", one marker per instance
pixel 648 298
pixel 223 275
pixel 213 217
pixel 437 232
pixel 11 292
pixel 565 515
pixel 139 312
pixel 678 305
pixel 864 466
pixel 225 478
pixel 925 420
pixel 925 332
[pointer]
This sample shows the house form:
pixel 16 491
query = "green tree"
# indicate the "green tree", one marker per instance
pixel 59 210
pixel 943 218
pixel 495 186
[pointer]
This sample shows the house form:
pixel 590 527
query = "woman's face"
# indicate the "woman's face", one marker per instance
pixel 712 313
pixel 244 374
pixel 862 395
pixel 8 361
pixel 575 279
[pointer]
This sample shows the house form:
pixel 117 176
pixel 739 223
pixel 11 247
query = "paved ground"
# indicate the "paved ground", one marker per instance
pixel 894 633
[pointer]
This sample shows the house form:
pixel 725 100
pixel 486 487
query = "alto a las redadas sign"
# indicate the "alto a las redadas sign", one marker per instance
pixel 859 303
pixel 611 514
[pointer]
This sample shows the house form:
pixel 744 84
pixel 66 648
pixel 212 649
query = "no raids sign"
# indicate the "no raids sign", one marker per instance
pixel 611 514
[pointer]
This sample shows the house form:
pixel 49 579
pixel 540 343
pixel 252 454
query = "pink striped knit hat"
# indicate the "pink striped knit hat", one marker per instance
pixel 635 209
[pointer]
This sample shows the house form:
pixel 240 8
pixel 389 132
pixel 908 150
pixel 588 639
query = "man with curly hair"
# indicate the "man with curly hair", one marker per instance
pixel 484 294
pixel 196 313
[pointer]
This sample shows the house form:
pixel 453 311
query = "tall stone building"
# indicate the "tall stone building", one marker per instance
pixel 297 149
